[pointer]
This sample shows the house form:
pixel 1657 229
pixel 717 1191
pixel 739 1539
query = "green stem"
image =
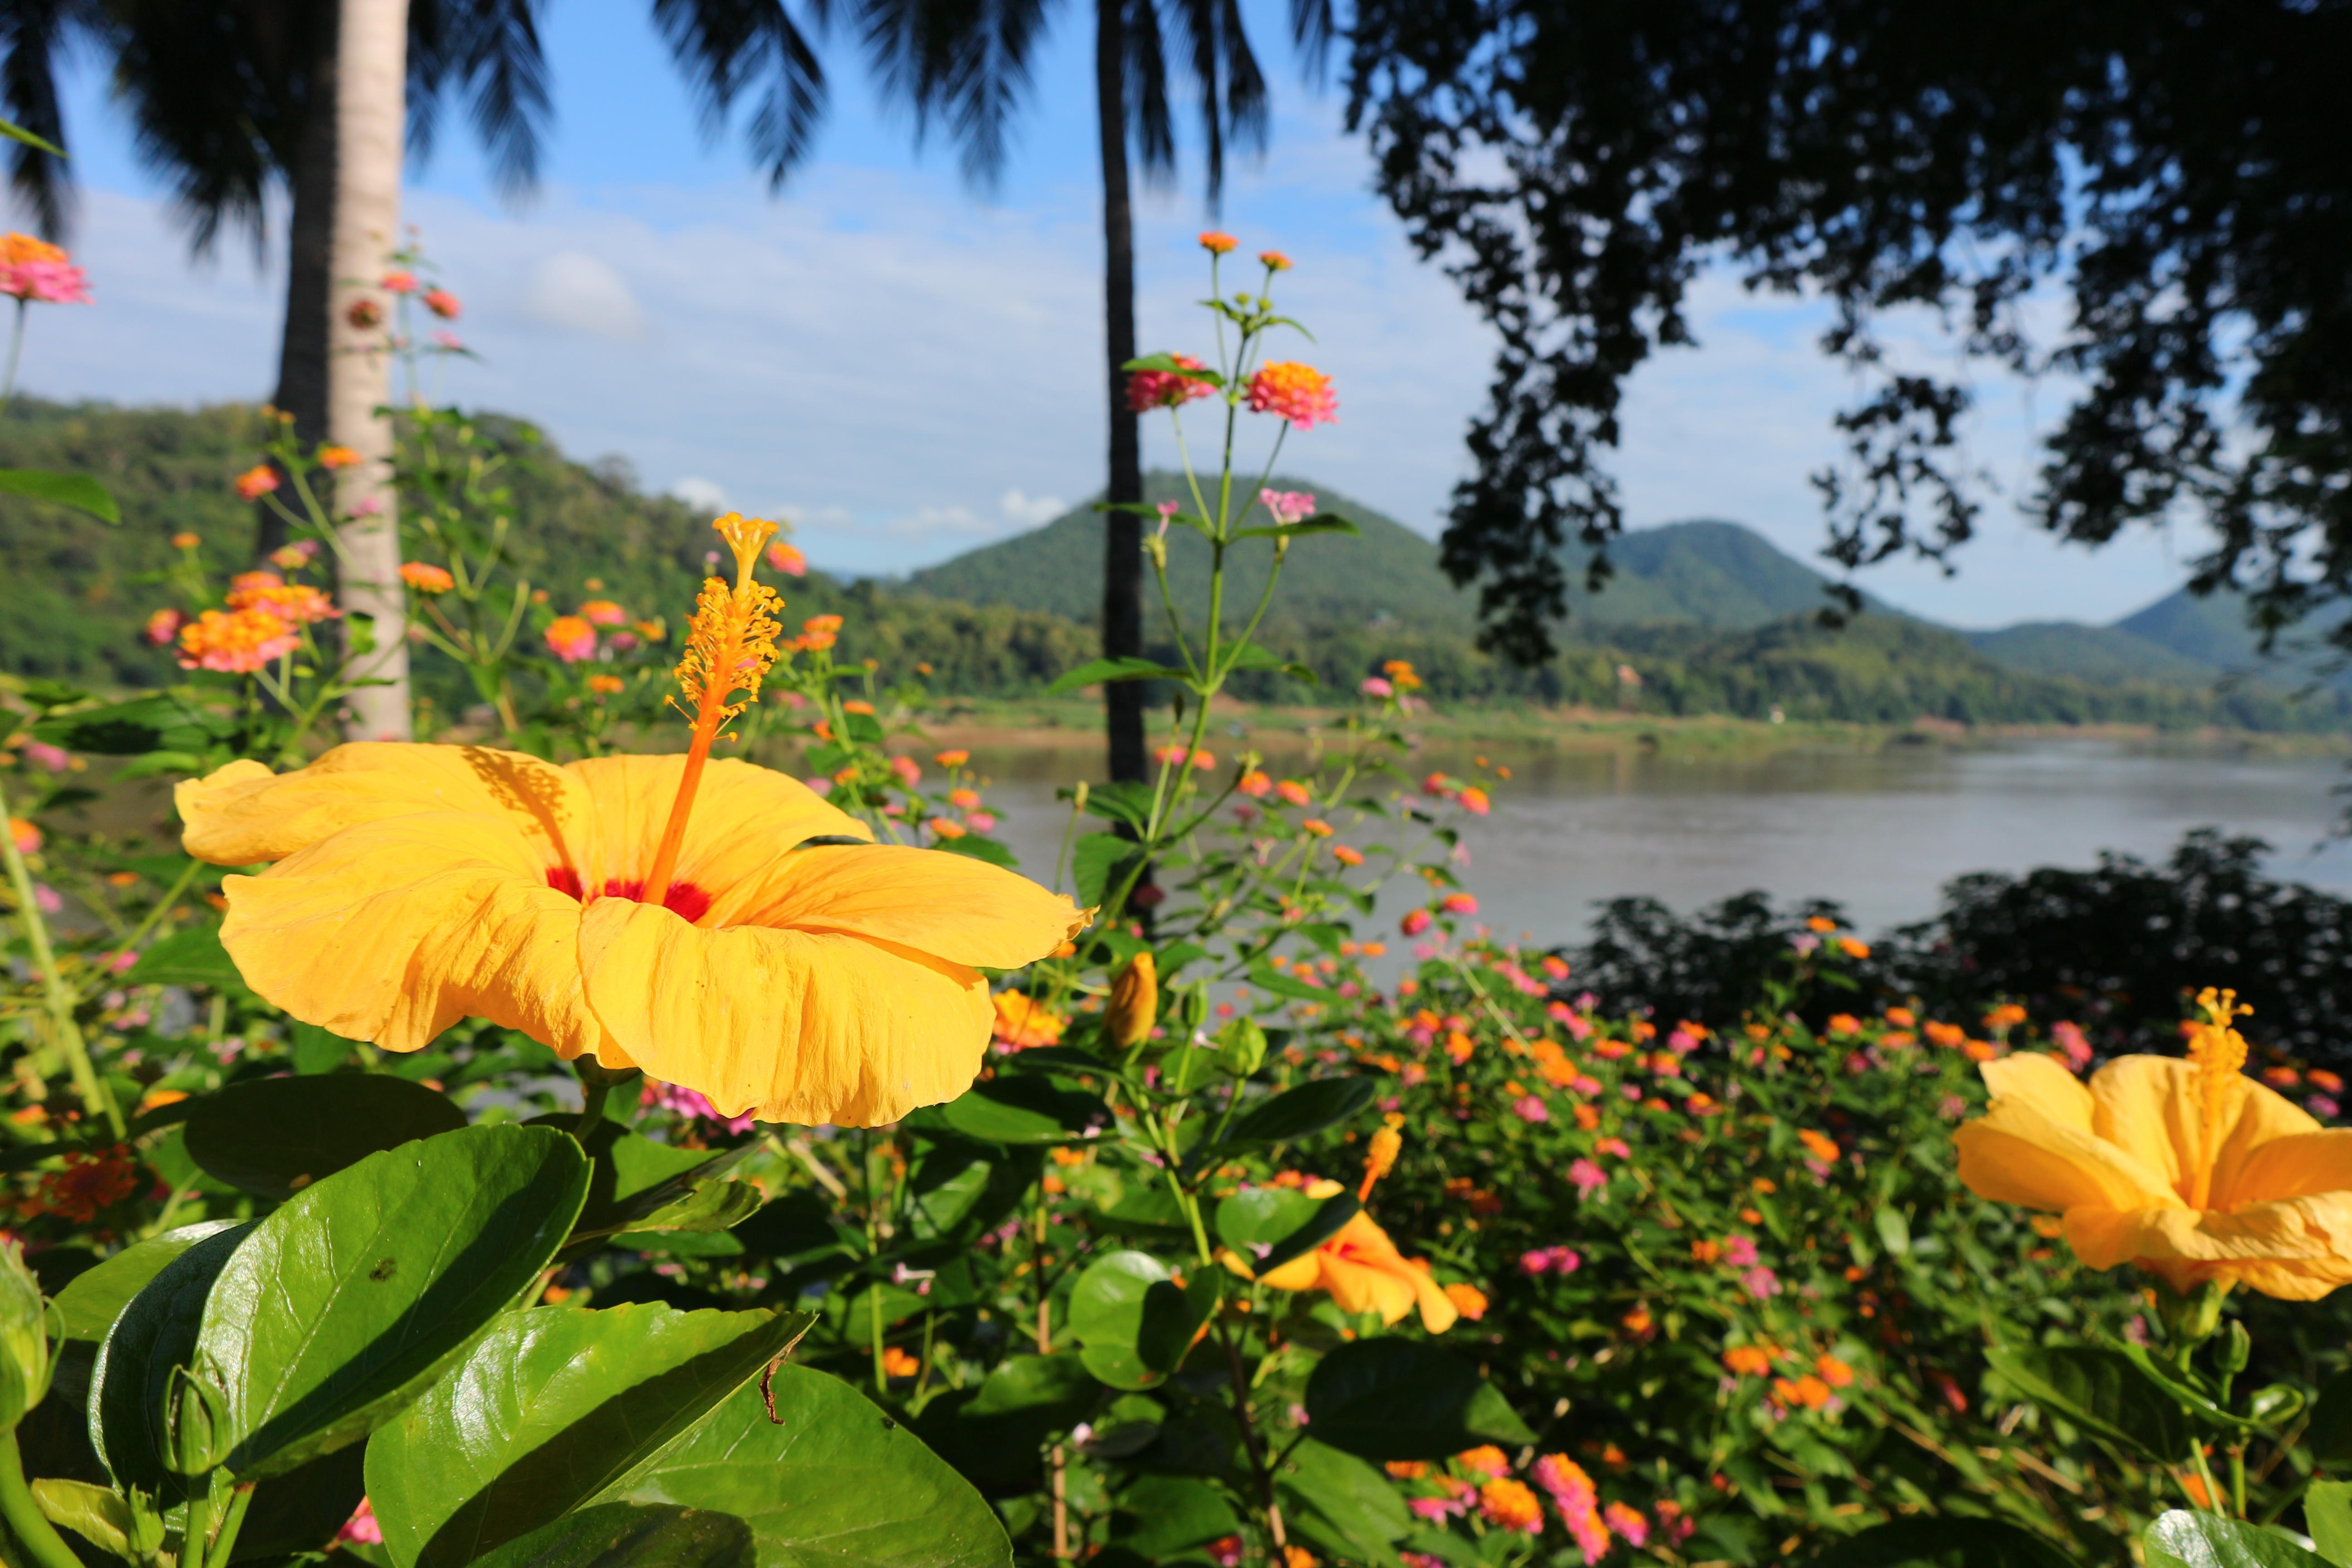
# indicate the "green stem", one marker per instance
pixel 199 1525
pixel 162 906
pixel 15 351
pixel 226 1542
pixel 26 1522
pixel 95 1096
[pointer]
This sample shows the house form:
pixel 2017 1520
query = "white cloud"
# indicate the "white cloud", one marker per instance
pixel 1030 511
pixel 701 494
pixel 577 292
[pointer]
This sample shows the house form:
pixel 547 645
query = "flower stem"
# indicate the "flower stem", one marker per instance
pixel 15 351
pixel 26 1522
pixel 226 1542
pixel 199 1525
pixel 95 1096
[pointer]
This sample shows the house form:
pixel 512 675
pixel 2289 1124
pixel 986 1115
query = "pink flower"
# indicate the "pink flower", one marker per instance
pixel 2322 1107
pixel 604 613
pixel 570 639
pixel 48 758
pixel 1297 392
pixel 1615 1146
pixel 1545 1260
pixel 1530 1108
pixel 1459 904
pixel 981 821
pixel 1739 1252
pixel 163 627
pixel 1588 1177
pixel 1150 389
pixel 1415 923
pixel 1288 506
pixel 1761 1283
pixel 362 1527
pixel 787 559
pixel 444 304
pixel 1628 1522
pixel 49 282
pixel 448 341
pixel 401 282
pixel 48 899
pixel 682 1101
pixel 1373 685
pixel 2069 1039
pixel 1438 1510
pixel 909 772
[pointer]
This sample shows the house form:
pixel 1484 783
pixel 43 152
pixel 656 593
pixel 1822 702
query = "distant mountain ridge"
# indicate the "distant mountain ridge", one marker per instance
pixel 1709 573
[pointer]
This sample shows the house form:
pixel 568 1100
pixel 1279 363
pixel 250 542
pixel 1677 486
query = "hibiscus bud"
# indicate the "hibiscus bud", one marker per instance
pixel 1241 1047
pixel 24 1338
pixel 2235 1350
pixel 2191 1319
pixel 1134 1003
pixel 198 1433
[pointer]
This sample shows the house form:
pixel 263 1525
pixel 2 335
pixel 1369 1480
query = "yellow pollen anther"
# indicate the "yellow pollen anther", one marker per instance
pixel 731 644
pixel 2218 1053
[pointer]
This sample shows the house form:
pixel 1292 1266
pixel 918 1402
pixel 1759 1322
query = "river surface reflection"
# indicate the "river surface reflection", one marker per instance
pixel 1879 831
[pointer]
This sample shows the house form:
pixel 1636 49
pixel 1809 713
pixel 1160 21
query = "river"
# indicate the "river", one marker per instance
pixel 1879 830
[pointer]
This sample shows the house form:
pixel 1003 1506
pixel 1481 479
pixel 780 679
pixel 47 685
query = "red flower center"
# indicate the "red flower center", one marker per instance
pixel 686 902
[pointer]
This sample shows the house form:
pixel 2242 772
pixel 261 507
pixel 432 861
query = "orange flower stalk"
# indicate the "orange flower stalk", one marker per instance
pixel 2188 1169
pixel 664 912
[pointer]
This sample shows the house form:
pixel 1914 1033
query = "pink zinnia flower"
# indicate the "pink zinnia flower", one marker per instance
pixel 787 559
pixel 49 758
pixel 1150 389
pixel 45 282
pixel 1373 685
pixel 163 627
pixel 1628 1522
pixel 1761 1283
pixel 1530 1108
pixel 1459 904
pixel 444 304
pixel 1588 1177
pixel 1415 923
pixel 1297 392
pixel 1739 1252
pixel 684 1102
pixel 909 772
pixel 2069 1038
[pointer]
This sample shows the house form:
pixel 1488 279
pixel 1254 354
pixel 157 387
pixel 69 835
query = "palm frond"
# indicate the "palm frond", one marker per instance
pixel 728 46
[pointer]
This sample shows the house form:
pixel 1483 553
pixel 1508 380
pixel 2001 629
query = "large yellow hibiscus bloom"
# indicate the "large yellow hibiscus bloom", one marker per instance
pixel 666 912
pixel 2187 1168
pixel 1365 1273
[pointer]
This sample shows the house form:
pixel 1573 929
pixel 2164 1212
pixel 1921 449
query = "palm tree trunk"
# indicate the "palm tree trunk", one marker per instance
pixel 1122 609
pixel 309 262
pixel 370 111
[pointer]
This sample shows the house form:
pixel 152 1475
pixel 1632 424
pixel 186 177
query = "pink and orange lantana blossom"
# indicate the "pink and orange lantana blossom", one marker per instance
pixel 715 923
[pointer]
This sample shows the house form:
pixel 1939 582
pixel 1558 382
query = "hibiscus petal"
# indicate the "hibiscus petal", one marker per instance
pixel 2300 1248
pixel 393 931
pixel 2015 1154
pixel 2299 1164
pixel 243 812
pixel 2148 1106
pixel 2043 1083
pixel 962 910
pixel 744 819
pixel 799 1026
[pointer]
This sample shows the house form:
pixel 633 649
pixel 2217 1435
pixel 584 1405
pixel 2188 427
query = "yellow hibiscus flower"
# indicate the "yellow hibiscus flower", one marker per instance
pixel 2187 1168
pixel 664 912
pixel 1365 1272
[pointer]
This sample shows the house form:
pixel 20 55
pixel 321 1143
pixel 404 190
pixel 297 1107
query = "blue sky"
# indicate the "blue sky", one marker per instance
pixel 907 367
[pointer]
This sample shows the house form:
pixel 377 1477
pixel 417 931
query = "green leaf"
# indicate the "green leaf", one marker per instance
pixel 832 1479
pixel 24 1338
pixel 1342 1504
pixel 2328 1436
pixel 1388 1398
pixel 76 491
pixel 1100 862
pixel 1894 1230
pixel 1321 522
pixel 1266 977
pixel 190 957
pixel 1129 801
pixel 87 1307
pixel 1134 1321
pixel 305 1509
pixel 978 847
pixel 1168 363
pixel 157 1331
pixel 2184 1539
pixel 17 132
pixel 1026 1398
pixel 1027 1109
pixel 710 1208
pixel 863 729
pixel 2101 1391
pixel 2328 1512
pixel 1943 1544
pixel 1101 671
pixel 93 1512
pixel 1298 1112
pixel 160 722
pixel 549 1409
pixel 1160 1516
pixel 633 1535
pixel 276 1136
pixel 636 1178
pixel 351 1300
pixel 1268 1226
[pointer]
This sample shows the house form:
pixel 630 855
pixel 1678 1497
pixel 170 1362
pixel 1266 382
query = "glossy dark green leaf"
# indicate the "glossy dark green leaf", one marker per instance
pixel 1108 1308
pixel 190 957
pixel 1266 977
pixel 960 1187
pixel 1343 1505
pixel 636 1178
pixel 1098 863
pixel 1024 1109
pixel 979 846
pixel 2327 1514
pixel 1300 1112
pixel 832 1479
pixel 95 1513
pixel 303 1509
pixel 1321 522
pixel 1943 1544
pixel 1160 1516
pixel 549 1409
pixel 1096 671
pixel 1388 1398
pixel 2100 1389
pixel 348 1303
pixel 76 491
pixel 157 1331
pixel 160 723
pixel 2184 1539
pixel 633 1535
pixel 1027 1398
pixel 710 1208
pixel 87 1307
pixel 276 1136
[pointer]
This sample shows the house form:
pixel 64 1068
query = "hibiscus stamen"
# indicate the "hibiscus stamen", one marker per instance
pixel 729 646
pixel 2218 1053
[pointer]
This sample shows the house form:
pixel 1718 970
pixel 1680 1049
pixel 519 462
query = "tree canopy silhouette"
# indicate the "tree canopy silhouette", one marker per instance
pixel 2175 169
